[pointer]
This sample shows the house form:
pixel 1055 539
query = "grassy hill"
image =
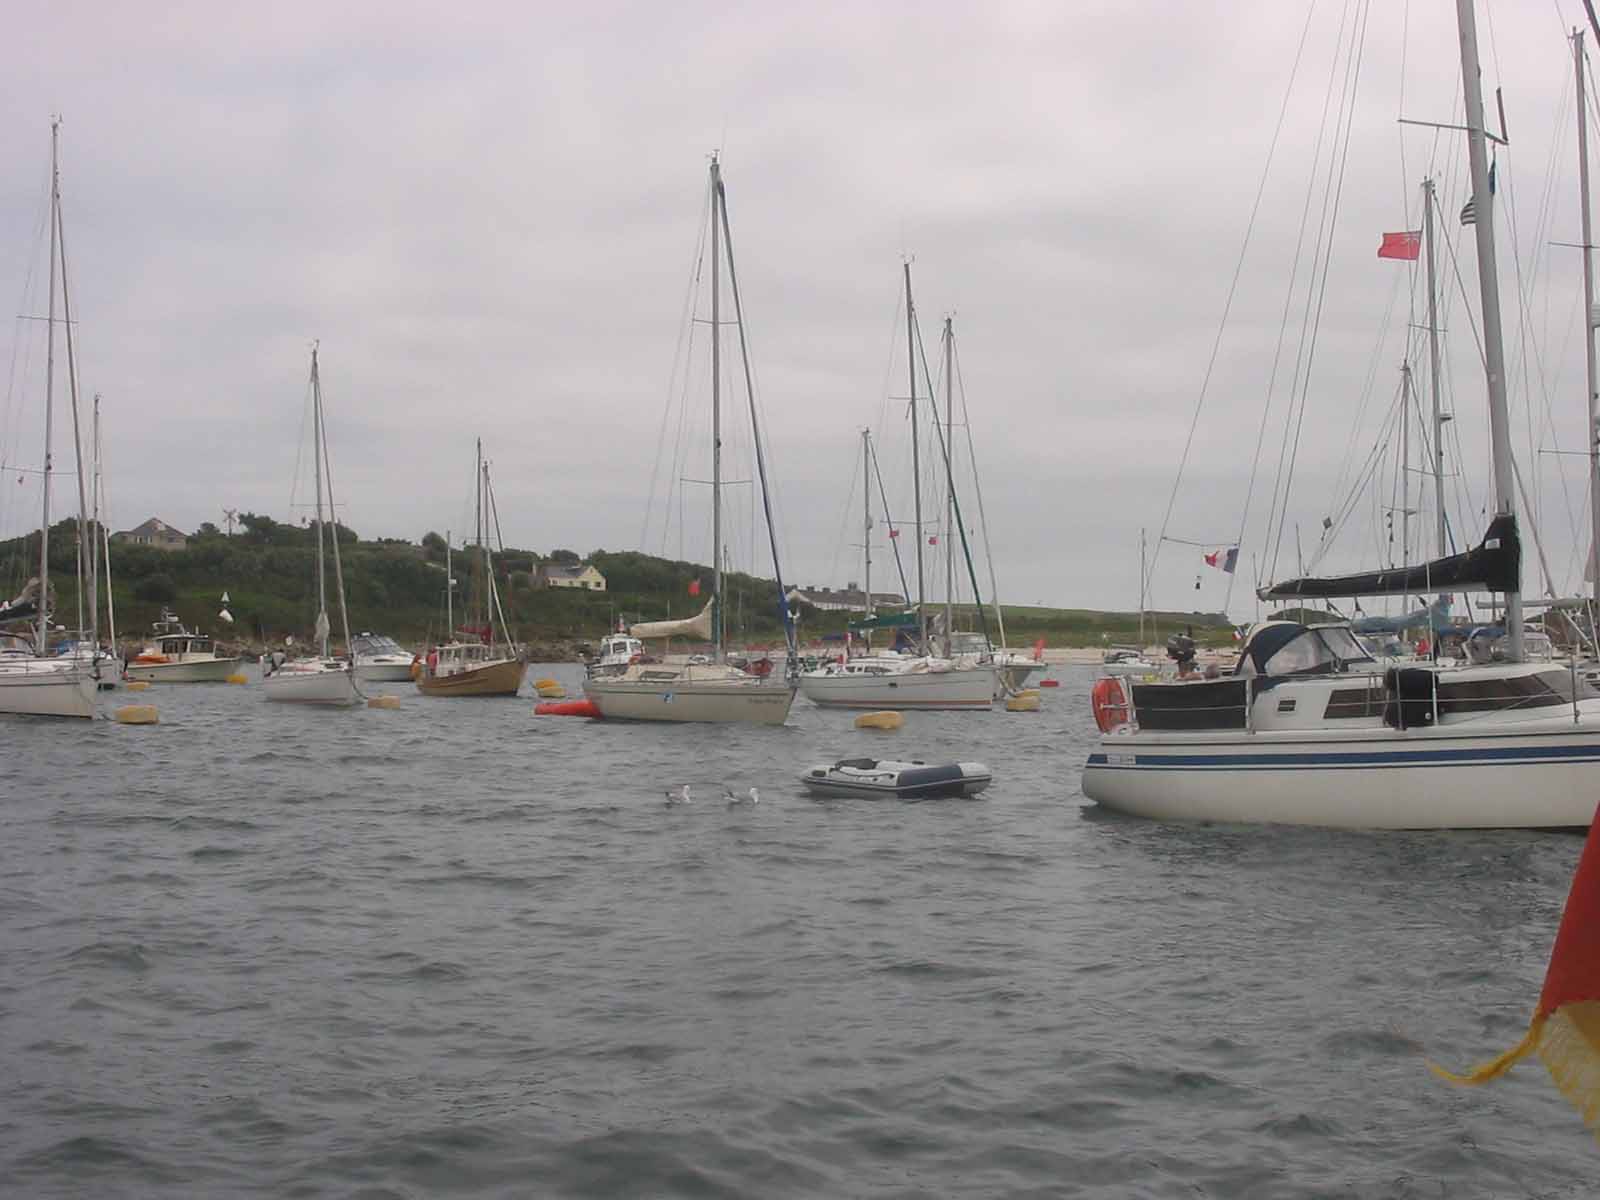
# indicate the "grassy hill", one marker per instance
pixel 398 587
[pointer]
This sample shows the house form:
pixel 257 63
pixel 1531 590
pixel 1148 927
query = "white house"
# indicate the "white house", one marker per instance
pixel 847 599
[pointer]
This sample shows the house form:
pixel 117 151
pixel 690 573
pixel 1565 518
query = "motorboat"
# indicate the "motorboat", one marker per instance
pixel 178 655
pixel 887 777
pixel 381 659
pixel 1121 660
pixel 618 651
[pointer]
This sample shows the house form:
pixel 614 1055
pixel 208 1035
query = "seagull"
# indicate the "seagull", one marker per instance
pixel 753 798
pixel 681 796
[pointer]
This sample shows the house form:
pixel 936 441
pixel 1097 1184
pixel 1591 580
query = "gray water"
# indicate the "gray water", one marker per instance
pixel 455 949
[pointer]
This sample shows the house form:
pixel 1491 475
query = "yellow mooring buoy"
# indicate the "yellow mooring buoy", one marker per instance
pixel 1023 703
pixel 138 685
pixel 886 720
pixel 238 677
pixel 383 702
pixel 138 714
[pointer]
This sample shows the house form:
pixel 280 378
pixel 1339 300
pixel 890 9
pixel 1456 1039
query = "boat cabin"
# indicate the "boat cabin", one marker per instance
pixel 618 650
pixel 456 657
pixel 369 645
pixel 1296 677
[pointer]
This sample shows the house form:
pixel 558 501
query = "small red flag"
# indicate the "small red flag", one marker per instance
pixel 933 539
pixel 1401 245
pixel 892 533
pixel 694 587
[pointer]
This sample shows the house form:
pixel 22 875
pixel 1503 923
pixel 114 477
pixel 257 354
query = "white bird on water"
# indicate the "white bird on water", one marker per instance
pixel 681 796
pixel 754 797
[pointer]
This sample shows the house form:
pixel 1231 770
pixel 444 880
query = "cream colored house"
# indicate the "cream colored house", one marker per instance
pixel 154 532
pixel 583 576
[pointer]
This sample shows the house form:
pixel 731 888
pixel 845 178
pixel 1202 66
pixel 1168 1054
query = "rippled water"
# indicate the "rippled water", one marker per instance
pixel 457 950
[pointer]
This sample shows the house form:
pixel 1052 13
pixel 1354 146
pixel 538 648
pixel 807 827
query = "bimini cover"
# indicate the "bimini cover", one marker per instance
pixel 1494 565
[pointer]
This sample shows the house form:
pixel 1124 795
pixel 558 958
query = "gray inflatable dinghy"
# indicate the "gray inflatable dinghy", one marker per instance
pixel 903 780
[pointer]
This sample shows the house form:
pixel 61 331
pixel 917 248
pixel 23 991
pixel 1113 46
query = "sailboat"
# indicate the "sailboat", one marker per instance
pixel 921 680
pixel 712 692
pixel 322 678
pixel 32 681
pixel 476 664
pixel 1309 730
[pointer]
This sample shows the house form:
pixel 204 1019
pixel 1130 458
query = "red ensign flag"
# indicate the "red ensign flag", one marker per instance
pixel 1401 245
pixel 694 587
pixel 1565 1030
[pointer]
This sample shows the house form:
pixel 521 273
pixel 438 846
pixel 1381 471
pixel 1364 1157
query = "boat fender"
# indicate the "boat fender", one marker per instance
pixel 1111 708
pixel 416 667
pixel 1049 683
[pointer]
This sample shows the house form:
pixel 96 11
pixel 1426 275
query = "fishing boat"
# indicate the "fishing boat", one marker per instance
pixel 922 679
pixel 712 692
pixel 1309 730
pixel 319 678
pixel 178 655
pixel 890 778
pixel 34 681
pixel 381 659
pixel 481 659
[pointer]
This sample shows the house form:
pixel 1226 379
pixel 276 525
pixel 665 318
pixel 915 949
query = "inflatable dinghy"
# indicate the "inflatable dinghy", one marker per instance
pixel 903 780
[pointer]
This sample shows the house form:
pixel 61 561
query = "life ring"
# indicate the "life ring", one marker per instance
pixel 1111 707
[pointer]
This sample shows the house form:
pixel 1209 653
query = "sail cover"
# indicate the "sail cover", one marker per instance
pixel 698 626
pixel 1494 565
pixel 901 620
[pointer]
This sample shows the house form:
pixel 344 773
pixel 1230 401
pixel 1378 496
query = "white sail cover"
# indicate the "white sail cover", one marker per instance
pixel 695 627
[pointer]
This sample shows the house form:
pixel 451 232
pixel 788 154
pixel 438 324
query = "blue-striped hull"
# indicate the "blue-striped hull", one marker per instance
pixel 1386 780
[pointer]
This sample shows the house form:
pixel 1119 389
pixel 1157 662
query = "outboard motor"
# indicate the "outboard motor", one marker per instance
pixel 1180 649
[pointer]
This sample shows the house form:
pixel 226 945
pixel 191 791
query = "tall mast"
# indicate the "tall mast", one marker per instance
pixel 49 399
pixel 338 565
pixel 1141 591
pixel 1588 327
pixel 949 492
pixel 102 539
pixel 1433 374
pixel 483 555
pixel 866 524
pixel 449 594
pixel 916 461
pixel 716 414
pixel 1489 287
pixel 1405 463
pixel 316 456
pixel 77 433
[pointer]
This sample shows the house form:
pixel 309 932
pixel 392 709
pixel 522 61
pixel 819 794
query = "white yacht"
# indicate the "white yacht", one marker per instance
pixel 381 659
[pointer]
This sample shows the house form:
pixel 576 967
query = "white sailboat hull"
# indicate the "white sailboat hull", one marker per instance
pixel 962 687
pixel 47 688
pixel 707 701
pixel 1541 775
pixel 312 682
pixel 197 670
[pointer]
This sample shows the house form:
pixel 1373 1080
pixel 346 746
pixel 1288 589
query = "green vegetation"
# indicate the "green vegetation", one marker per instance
pixel 397 587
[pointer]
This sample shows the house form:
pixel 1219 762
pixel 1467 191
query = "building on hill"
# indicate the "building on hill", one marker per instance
pixel 559 575
pixel 154 532
pixel 847 599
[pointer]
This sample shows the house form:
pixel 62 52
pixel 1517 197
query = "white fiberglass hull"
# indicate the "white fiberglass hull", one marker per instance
pixel 1539 774
pixel 708 701
pixel 47 687
pixel 385 672
pixel 965 687
pixel 198 670
pixel 312 681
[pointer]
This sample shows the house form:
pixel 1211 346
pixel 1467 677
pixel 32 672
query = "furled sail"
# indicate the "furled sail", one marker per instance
pixel 695 627
pixel 1494 565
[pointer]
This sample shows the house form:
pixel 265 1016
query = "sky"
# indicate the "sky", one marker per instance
pixel 488 218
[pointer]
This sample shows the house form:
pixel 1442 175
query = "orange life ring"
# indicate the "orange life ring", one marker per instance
pixel 1111 707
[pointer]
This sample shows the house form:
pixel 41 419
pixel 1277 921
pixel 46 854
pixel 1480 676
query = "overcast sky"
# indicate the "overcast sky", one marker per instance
pixel 487 214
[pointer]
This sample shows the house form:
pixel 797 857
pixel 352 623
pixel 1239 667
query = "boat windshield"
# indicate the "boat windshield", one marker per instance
pixel 1319 651
pixel 376 643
